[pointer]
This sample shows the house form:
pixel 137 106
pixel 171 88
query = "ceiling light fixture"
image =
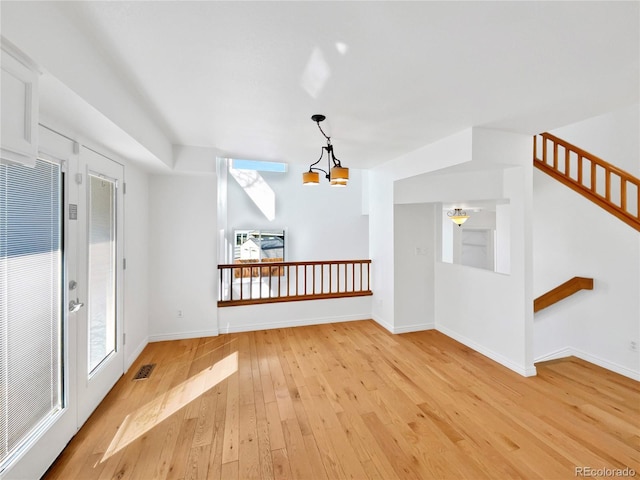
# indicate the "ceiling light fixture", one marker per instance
pixel 458 216
pixel 335 173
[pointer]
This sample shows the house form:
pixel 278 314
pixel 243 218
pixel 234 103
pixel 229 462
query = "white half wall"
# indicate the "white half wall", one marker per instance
pixel 292 314
pixel 483 310
pixel 182 256
pixel 488 311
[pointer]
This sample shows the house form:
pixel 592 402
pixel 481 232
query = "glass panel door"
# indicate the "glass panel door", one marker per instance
pixel 37 263
pixel 102 270
pixel 31 299
pixel 100 279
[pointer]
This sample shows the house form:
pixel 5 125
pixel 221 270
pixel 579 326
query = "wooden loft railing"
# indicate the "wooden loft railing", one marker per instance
pixel 611 188
pixel 561 292
pixel 253 283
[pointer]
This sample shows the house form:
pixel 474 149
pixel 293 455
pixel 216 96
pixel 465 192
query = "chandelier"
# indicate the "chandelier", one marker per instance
pixel 335 173
pixel 458 216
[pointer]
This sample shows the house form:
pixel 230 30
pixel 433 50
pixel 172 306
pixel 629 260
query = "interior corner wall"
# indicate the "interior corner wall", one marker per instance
pixel 136 277
pixel 182 256
pixel 381 241
pixel 452 150
pixel 597 325
pixel 413 263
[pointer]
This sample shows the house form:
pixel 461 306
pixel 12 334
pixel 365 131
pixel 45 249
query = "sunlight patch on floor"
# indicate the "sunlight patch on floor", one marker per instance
pixel 163 406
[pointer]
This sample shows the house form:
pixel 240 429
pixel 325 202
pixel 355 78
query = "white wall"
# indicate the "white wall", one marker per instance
pixel 381 249
pixel 321 223
pixel 41 30
pixel 136 275
pixel 292 314
pixel 488 311
pixel 452 150
pixel 476 185
pixel 487 164
pixel 413 264
pixel 596 325
pixel 182 256
pixel 503 238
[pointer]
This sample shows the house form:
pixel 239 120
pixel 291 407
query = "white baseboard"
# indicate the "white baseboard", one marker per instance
pixel 525 371
pixel 562 353
pixel 601 362
pixel 416 327
pixel 380 321
pixel 182 335
pixel 291 323
pixel 588 357
pixel 135 354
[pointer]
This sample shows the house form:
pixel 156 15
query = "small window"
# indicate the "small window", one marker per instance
pixel 259 246
pixel 258 165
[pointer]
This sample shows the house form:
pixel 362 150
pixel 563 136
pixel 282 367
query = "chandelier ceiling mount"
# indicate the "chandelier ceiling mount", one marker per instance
pixel 337 175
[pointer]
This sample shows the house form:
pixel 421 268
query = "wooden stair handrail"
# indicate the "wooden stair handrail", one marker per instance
pixel 560 169
pixel 561 292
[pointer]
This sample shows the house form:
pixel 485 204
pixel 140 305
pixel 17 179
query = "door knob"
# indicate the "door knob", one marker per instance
pixel 75 305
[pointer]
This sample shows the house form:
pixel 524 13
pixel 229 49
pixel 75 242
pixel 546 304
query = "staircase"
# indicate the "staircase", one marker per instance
pixel 611 188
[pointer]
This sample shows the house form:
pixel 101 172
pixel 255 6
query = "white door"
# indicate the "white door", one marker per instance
pixel 84 275
pixel 100 279
pixel 34 283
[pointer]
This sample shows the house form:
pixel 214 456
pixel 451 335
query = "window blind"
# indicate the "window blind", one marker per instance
pixel 31 240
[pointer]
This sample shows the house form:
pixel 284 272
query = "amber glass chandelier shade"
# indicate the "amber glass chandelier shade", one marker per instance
pixel 310 178
pixel 340 174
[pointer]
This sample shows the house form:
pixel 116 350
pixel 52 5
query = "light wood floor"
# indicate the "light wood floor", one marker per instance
pixel 351 400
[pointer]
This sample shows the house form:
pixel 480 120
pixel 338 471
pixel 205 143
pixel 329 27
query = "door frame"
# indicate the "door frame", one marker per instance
pixel 93 387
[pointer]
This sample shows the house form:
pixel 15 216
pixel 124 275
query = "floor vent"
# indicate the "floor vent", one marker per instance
pixel 145 371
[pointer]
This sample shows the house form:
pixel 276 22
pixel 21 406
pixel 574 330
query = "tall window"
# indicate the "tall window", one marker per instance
pixel 102 271
pixel 31 240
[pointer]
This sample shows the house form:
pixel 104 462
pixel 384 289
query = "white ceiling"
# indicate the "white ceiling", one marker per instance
pixel 244 78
